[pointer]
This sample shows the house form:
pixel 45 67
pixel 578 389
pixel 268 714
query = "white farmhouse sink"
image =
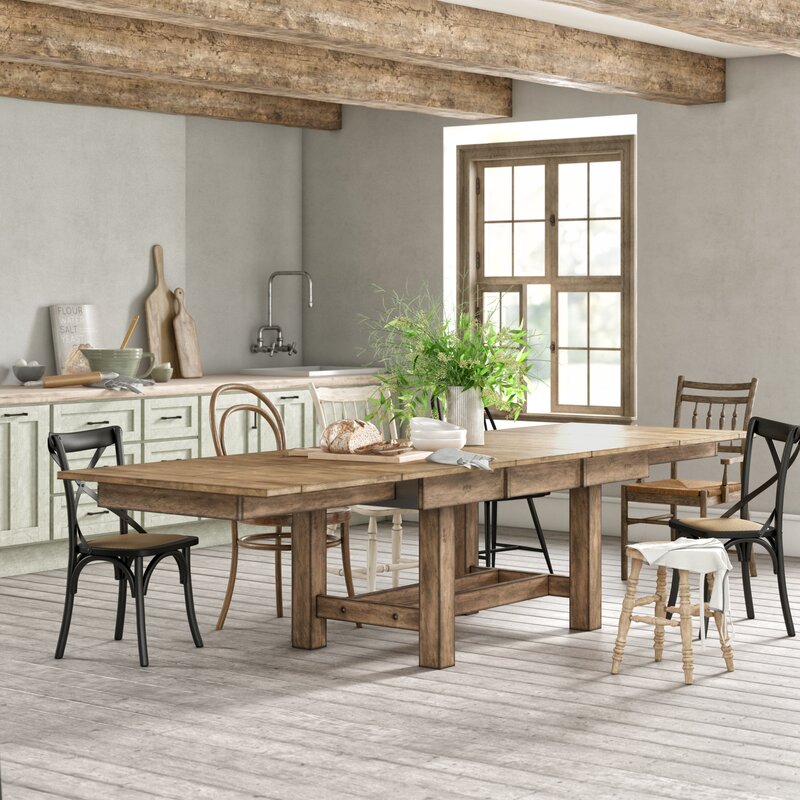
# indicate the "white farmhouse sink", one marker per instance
pixel 315 371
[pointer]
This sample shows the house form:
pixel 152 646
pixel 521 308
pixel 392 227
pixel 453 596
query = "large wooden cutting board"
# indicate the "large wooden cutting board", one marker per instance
pixel 399 458
pixel 159 312
pixel 186 339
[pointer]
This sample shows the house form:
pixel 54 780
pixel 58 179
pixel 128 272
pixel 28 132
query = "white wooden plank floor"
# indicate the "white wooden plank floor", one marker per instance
pixel 528 711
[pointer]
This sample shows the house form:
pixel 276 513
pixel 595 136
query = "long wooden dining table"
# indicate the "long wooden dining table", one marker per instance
pixel 579 457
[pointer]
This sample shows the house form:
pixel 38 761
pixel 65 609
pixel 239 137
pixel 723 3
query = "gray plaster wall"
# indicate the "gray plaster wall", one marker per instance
pixel 86 192
pixel 718 233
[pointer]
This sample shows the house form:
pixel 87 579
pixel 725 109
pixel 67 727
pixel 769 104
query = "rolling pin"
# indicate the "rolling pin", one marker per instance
pixel 79 379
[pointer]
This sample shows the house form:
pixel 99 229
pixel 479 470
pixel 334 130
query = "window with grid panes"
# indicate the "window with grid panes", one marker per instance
pixel 547 243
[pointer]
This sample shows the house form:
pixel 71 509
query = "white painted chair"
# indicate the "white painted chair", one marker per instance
pixel 355 402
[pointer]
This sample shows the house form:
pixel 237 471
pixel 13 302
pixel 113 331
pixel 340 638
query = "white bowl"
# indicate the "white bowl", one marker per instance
pixel 432 425
pixel 422 441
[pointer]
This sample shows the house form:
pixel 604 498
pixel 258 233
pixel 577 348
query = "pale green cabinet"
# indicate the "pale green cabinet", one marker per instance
pixel 241 428
pixel 168 450
pixel 24 474
pixel 297 410
pixel 68 417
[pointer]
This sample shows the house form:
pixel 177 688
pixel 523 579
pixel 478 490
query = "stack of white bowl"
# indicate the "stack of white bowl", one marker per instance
pixel 434 434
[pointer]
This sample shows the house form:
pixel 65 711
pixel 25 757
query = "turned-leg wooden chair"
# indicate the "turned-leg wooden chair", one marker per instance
pixel 125 551
pixel 706 405
pixel 277 541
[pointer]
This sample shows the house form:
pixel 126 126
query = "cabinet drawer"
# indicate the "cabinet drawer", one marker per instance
pixel 131 452
pixel 297 410
pixel 171 418
pixel 241 427
pixel 127 414
pixel 168 450
pixel 91 518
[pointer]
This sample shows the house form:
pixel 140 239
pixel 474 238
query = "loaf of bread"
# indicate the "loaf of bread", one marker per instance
pixel 349 435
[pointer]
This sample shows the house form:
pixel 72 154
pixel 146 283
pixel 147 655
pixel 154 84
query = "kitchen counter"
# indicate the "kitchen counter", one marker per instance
pixel 17 395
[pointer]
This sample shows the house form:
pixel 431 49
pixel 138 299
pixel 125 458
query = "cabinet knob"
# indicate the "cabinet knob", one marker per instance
pixel 290 397
pixel 99 422
pixel 176 416
pixel 18 414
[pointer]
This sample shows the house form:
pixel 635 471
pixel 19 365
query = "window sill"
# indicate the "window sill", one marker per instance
pixel 595 418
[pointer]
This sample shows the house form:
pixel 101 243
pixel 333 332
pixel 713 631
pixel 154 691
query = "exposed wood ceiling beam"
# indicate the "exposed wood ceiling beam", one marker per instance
pixel 42 34
pixel 434 33
pixel 77 87
pixel 772 24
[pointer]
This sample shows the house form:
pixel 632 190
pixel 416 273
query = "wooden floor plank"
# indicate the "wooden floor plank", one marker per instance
pixel 528 710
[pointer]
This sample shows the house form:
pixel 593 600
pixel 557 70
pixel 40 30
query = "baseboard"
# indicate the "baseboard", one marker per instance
pixel 553 511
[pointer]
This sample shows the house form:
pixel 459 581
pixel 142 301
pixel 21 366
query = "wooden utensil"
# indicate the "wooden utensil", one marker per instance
pixel 159 312
pixel 79 379
pixel 131 329
pixel 186 339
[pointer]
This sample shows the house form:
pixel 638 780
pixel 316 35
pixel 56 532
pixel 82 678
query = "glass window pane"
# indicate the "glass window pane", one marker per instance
pixel 538 301
pixel 605 378
pixel 497 193
pixel 572 378
pixel 529 192
pixel 604 189
pixel 605 320
pixel 572 191
pixel 509 303
pixel 573 308
pixel 605 247
pixel 491 308
pixel 497 248
pixel 529 248
pixel 572 249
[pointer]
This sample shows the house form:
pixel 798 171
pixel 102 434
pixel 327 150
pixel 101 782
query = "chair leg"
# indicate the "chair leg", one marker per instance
pixel 623 536
pixel 539 533
pixel 744 552
pixel 628 604
pixel 685 608
pixel 673 592
pixel 493 504
pixel 138 594
pixel 344 532
pixel 278 572
pixel 231 576
pixel 372 553
pixel 397 545
pixel 753 565
pixel 66 618
pixel 660 611
pixel 781 572
pixel 487 534
pixel 188 596
pixel 724 640
pixel 122 596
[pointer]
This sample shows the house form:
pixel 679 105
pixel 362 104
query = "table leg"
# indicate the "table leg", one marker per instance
pixel 466 538
pixel 437 629
pixel 309 578
pixel 585 582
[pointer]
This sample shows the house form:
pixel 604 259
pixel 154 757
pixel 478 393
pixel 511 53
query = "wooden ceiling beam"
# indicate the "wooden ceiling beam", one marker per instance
pixel 459 37
pixel 771 24
pixel 42 34
pixel 78 87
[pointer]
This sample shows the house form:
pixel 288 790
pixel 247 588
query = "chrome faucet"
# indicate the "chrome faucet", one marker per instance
pixel 278 346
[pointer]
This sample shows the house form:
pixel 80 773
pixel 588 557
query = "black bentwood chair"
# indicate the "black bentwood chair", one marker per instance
pixel 740 532
pixel 125 551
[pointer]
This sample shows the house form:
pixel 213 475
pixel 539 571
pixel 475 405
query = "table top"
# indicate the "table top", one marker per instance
pixel 273 474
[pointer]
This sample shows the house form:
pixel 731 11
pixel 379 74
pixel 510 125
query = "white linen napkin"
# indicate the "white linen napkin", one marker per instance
pixel 458 458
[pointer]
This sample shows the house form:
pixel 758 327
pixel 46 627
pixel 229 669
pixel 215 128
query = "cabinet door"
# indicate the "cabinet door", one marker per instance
pixel 91 518
pixel 297 410
pixel 24 474
pixel 168 450
pixel 171 418
pixel 127 414
pixel 241 428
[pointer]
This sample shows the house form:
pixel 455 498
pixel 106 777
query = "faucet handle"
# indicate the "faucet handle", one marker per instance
pixel 293 349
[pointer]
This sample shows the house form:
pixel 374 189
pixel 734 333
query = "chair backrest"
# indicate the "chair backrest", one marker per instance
pixel 94 442
pixel 348 402
pixel 723 406
pixel 773 434
pixel 266 410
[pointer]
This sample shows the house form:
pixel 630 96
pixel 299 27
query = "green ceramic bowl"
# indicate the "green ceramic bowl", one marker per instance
pixel 161 374
pixel 127 362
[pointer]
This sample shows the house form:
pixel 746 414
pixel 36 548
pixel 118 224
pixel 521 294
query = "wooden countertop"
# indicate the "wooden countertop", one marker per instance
pixel 22 395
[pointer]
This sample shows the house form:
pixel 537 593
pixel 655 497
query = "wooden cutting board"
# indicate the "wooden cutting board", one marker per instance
pixel 400 458
pixel 159 312
pixel 186 340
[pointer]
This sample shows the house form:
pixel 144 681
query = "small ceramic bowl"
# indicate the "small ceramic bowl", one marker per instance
pixel 422 441
pixel 25 374
pixel 161 374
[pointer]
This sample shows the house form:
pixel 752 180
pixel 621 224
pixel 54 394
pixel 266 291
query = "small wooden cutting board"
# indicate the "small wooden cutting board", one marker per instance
pixel 399 458
pixel 186 339
pixel 159 312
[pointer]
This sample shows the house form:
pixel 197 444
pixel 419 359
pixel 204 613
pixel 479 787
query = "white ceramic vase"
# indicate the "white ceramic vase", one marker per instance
pixel 465 409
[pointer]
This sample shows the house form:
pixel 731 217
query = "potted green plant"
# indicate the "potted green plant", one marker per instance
pixel 465 362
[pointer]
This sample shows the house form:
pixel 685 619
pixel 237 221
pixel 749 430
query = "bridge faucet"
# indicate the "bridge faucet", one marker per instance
pixel 278 346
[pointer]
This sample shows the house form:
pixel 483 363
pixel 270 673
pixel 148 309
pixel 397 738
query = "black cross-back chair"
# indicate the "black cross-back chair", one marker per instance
pixel 125 551
pixel 741 532
pixel 490 544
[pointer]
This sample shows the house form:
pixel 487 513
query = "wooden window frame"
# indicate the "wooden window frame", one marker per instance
pixel 471 159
